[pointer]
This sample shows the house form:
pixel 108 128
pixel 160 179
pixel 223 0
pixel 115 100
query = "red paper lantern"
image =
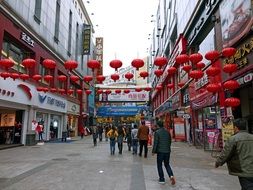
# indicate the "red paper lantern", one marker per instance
pixel 158 73
pixel 159 87
pixel 228 52
pixel 70 65
pixel 231 85
pixel 48 78
pixel 138 89
pixel 93 64
pixel 117 91
pixel 24 77
pixel 115 77
pixel 53 90
pixel 214 87
pixel 200 65
pixel 196 74
pixel 230 68
pixel 180 84
pixel 100 78
pixel 49 64
pixel 108 91
pixel 160 61
pixel 79 91
pixel 212 55
pixel 62 91
pixel 6 63
pixel 232 102
pixel 62 78
pixel 99 91
pixel 45 89
pixel 40 89
pixel 116 64
pixel 137 63
pixel 87 78
pixel 187 68
pixel 70 91
pixel 126 91
pixel 5 75
pixel 181 59
pixel 172 70
pixel 74 78
pixel 195 58
pixel 170 86
pixel 129 76
pixel 29 63
pixel 14 76
pixel 144 74
pixel 36 77
pixel 147 89
pixel 213 71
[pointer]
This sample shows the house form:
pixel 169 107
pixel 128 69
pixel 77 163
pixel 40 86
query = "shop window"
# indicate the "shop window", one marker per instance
pixel 16 54
pixel 37 11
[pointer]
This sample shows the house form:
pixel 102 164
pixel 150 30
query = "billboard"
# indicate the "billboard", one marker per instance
pixel 86 39
pixel 236 20
pixel 99 53
pixel 108 111
pixel 130 97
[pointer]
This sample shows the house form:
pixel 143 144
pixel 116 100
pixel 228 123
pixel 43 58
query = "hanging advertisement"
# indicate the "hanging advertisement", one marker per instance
pixel 99 53
pixel 227 131
pixel 236 20
pixel 179 128
pixel 86 40
pixel 130 97
pixel 107 111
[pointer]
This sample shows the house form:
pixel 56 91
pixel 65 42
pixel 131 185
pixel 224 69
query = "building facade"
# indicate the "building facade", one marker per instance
pixel 43 30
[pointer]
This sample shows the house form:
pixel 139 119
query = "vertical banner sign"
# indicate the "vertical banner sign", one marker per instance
pixel 86 40
pixel 99 53
pixel 227 131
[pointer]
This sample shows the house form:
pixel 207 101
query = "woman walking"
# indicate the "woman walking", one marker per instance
pixel 112 134
pixel 121 135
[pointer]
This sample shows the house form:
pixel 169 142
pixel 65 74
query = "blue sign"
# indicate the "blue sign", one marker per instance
pixel 107 111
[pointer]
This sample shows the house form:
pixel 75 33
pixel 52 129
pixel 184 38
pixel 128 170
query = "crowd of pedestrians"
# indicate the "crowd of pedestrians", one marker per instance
pixel 237 153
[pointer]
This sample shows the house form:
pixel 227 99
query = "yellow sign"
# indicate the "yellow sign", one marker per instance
pixel 121 119
pixel 227 130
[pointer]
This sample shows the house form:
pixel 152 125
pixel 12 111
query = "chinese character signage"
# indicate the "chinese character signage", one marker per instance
pixel 131 97
pixel 86 40
pixel 99 53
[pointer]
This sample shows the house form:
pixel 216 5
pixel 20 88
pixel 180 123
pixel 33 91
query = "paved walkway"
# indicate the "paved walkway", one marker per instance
pixel 79 165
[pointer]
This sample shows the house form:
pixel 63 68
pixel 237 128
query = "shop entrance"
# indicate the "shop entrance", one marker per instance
pixel 11 126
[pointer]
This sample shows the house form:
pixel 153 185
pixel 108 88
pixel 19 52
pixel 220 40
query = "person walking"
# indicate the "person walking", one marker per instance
pixel 112 134
pixel 129 137
pixel 162 147
pixel 134 139
pixel 94 135
pixel 40 130
pixel 107 129
pixel 120 138
pixel 238 154
pixel 100 132
pixel 142 135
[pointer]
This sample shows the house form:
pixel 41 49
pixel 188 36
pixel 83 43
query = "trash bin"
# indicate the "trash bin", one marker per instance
pixel 30 139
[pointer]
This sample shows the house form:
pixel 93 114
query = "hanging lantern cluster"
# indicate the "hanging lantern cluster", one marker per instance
pixel 137 63
pixel 129 76
pixel 115 77
pixel 93 64
pixel 144 74
pixel 158 73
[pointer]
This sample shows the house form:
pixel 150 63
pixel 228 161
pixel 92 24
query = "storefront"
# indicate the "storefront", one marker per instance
pixel 51 112
pixel 73 112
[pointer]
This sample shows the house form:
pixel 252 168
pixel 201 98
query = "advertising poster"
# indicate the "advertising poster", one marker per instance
pixel 227 130
pixel 179 128
pixel 236 20
pixel 7 120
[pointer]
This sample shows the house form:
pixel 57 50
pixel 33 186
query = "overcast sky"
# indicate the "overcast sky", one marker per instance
pixel 125 26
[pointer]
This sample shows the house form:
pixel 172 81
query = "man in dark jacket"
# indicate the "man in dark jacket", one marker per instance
pixel 238 154
pixel 162 144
